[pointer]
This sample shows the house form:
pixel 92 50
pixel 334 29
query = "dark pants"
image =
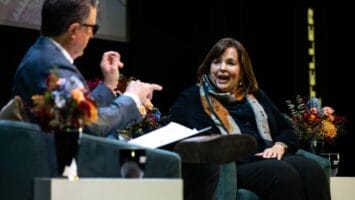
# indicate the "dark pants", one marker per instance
pixel 292 178
pixel 200 181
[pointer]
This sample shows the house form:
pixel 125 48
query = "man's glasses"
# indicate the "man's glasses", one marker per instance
pixel 94 27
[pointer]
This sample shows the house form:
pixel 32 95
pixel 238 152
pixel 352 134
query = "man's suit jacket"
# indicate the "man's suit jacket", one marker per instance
pixel 32 73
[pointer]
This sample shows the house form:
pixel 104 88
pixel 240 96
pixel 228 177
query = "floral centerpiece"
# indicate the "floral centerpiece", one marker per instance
pixel 312 122
pixel 64 105
pixel 64 108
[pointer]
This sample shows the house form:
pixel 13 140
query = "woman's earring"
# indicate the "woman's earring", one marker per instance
pixel 240 83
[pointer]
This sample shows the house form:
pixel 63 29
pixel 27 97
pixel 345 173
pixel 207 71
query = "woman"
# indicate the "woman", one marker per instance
pixel 227 97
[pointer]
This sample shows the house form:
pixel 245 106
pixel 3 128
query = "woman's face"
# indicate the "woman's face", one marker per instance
pixel 225 71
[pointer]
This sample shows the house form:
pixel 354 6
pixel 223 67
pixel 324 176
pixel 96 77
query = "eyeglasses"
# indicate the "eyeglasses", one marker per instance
pixel 94 27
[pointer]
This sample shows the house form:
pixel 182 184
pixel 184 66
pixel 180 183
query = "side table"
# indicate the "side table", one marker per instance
pixel 108 189
pixel 342 188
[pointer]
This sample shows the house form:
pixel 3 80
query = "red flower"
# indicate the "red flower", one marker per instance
pixel 93 84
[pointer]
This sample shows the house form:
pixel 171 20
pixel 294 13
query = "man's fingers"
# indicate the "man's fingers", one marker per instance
pixel 156 87
pixel 148 104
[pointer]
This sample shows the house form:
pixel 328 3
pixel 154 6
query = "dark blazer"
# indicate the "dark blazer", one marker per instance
pixel 188 110
pixel 30 79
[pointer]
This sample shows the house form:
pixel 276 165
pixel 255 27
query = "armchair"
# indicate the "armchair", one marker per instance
pixel 228 187
pixel 27 153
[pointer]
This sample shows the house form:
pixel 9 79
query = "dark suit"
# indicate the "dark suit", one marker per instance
pixel 31 75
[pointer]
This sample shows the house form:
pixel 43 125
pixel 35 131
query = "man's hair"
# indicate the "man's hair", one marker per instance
pixel 58 15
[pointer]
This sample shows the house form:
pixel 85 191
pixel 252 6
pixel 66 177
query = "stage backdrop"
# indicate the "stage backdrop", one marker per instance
pixel 27 14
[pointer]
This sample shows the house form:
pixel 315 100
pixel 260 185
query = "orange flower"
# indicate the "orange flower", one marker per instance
pixel 90 113
pixel 78 95
pixel 312 117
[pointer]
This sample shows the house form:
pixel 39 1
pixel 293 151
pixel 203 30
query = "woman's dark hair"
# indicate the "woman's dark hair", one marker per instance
pixel 58 15
pixel 248 80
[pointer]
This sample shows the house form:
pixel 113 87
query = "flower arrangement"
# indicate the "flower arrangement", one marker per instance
pixel 151 121
pixel 153 118
pixel 313 122
pixel 65 104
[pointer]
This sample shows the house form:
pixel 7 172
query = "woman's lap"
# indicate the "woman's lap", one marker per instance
pixel 292 177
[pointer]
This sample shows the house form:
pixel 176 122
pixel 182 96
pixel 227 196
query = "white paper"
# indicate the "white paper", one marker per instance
pixel 165 135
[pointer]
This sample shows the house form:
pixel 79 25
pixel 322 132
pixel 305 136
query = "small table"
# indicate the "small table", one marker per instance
pixel 108 189
pixel 342 188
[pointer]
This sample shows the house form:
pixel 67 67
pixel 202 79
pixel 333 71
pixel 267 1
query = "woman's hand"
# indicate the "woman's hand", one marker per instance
pixel 110 65
pixel 277 151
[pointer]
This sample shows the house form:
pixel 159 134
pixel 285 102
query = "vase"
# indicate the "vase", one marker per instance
pixel 132 162
pixel 316 146
pixel 334 159
pixel 67 147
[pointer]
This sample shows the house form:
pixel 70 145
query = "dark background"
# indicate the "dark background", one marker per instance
pixel 169 39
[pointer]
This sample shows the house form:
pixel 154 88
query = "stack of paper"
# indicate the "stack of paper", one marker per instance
pixel 165 135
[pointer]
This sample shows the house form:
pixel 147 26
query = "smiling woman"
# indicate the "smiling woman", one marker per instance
pixel 227 98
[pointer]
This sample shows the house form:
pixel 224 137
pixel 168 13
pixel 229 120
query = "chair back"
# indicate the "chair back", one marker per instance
pixel 25 153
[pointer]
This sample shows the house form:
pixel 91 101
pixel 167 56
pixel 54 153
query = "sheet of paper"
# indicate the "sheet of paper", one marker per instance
pixel 165 135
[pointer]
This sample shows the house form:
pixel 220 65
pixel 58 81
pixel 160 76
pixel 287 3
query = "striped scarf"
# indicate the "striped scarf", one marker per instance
pixel 211 102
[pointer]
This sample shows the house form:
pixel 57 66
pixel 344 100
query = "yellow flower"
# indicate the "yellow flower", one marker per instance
pixel 38 100
pixel 328 129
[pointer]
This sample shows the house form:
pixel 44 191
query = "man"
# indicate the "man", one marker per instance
pixel 66 28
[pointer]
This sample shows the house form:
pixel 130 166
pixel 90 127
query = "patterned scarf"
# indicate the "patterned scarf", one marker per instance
pixel 211 102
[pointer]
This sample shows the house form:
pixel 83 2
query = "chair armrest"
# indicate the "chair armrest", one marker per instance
pixel 99 157
pixel 323 162
pixel 227 184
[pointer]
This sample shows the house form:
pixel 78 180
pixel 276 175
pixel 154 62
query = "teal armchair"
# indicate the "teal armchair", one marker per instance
pixel 27 153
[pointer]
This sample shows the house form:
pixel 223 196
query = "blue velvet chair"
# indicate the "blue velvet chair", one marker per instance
pixel 228 186
pixel 26 153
